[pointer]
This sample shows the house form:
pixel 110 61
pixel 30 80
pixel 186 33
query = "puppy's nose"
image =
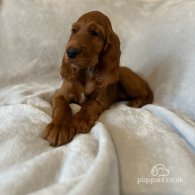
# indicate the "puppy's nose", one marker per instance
pixel 73 52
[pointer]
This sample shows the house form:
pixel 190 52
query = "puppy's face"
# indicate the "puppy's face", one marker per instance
pixel 87 40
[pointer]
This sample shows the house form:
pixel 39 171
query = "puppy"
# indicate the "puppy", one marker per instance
pixel 92 78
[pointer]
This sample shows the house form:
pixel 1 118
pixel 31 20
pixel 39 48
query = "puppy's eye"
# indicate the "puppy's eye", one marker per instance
pixel 95 33
pixel 73 30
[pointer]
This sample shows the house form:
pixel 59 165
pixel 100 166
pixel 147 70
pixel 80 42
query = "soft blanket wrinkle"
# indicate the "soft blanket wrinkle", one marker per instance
pixel 127 145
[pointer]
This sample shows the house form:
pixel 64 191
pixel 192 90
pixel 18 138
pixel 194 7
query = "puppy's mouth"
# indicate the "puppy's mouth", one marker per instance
pixel 82 64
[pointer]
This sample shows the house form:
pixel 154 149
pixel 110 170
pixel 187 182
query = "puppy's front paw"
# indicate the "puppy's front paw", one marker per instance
pixel 58 135
pixel 83 124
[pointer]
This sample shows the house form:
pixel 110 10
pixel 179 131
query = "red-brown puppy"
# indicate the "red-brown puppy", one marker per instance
pixel 92 78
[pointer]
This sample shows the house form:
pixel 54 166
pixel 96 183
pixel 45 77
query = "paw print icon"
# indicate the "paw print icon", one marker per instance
pixel 159 170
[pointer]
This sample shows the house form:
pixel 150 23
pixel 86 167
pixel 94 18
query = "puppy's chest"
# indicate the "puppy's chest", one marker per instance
pixel 87 87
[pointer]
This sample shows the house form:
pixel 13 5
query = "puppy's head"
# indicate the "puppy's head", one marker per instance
pixel 93 44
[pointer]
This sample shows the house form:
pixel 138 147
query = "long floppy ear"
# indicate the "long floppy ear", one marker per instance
pixel 69 72
pixel 108 66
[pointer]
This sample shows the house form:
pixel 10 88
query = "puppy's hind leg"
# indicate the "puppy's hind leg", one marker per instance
pixel 136 89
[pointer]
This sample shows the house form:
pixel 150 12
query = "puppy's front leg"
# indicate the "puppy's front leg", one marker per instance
pixel 85 119
pixel 60 131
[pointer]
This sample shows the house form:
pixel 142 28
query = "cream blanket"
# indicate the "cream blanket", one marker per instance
pixel 129 151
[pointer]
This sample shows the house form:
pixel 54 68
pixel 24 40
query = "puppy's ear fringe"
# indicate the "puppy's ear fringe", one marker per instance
pixel 108 67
